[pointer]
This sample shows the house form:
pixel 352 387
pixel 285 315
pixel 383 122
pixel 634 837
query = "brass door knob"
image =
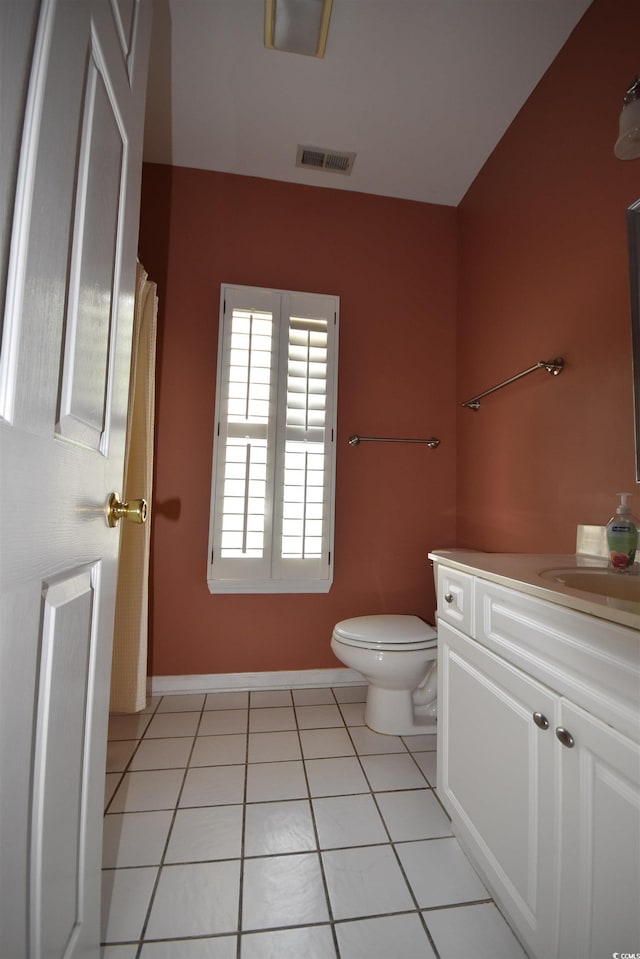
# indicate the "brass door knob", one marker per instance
pixel 135 510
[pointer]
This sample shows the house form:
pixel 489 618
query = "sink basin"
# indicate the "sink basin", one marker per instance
pixel 610 583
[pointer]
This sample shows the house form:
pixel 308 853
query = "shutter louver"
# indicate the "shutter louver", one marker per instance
pixel 247 420
pixel 303 493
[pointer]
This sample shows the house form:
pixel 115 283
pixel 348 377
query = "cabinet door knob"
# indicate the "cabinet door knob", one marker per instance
pixel 565 737
pixel 448 597
pixel 541 720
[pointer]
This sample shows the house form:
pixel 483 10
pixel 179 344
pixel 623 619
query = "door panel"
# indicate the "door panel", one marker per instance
pixel 19 136
pixel 601 839
pixel 95 259
pixel 63 732
pixel 18 21
pixel 496 778
pixel 124 15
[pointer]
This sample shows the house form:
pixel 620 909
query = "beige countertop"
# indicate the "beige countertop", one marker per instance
pixel 522 571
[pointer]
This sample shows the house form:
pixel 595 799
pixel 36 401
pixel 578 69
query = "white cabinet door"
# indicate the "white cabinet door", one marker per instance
pixel 496 779
pixel 600 840
pixel 69 226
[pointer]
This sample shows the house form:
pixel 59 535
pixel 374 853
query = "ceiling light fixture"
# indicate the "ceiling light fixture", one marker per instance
pixel 628 143
pixel 297 26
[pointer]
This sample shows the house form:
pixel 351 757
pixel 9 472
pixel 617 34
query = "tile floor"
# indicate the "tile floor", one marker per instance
pixel 276 825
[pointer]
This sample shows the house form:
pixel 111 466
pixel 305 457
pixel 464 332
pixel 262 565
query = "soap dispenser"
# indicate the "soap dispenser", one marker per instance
pixel 622 535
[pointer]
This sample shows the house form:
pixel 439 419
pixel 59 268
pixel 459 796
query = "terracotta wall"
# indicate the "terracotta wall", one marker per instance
pixel 393 265
pixel 543 272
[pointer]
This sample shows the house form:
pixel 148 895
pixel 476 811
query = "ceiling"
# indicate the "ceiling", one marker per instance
pixel 421 90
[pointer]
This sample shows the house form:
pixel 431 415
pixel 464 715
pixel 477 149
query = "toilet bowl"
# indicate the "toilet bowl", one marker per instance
pixel 396 654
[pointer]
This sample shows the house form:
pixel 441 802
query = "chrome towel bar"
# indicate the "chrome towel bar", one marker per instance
pixel 354 440
pixel 554 367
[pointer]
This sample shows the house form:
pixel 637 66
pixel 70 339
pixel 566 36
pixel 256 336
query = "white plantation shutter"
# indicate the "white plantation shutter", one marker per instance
pixel 274 451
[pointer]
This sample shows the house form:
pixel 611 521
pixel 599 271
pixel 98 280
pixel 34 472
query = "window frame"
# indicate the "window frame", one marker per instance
pixel 273 573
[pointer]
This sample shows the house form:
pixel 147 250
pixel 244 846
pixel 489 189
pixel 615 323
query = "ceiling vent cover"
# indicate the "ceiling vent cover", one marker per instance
pixel 320 158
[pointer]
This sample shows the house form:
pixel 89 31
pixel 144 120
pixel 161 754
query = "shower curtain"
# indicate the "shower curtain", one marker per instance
pixel 129 665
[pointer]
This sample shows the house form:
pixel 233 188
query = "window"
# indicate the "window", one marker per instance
pixel 272 499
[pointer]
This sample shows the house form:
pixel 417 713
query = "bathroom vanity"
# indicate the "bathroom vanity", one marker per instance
pixel 538 745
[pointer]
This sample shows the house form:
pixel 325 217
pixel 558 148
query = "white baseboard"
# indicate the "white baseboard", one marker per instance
pixel 227 682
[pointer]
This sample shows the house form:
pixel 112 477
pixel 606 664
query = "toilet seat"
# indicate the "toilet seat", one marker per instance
pixel 386 632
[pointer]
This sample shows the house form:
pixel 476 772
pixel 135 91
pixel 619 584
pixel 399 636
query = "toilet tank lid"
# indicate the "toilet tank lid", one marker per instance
pixel 385 629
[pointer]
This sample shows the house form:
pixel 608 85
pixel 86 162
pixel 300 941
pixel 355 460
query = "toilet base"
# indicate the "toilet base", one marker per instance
pixel 391 712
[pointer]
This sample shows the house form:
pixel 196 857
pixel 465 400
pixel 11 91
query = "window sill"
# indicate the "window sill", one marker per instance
pixel 269 586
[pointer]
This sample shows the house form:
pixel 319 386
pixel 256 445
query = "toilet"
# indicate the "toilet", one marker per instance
pixel 396 654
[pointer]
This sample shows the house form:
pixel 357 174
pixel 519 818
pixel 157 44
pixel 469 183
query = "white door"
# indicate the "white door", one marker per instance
pixel 600 872
pixel 72 85
pixel 496 779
